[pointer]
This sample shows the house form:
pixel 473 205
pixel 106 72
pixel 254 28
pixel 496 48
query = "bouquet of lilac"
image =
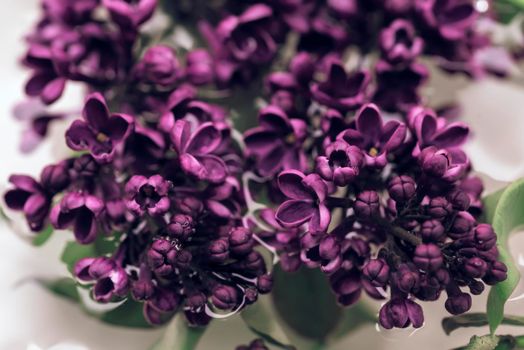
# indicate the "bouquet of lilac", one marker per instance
pixel 230 149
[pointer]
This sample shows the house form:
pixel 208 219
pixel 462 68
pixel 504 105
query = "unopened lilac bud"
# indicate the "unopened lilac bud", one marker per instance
pixel 459 200
pixel 434 162
pixel 85 166
pixel 458 304
pixel 302 67
pixel 165 300
pixel 183 258
pixel 439 208
pixel 462 225
pixel 476 287
pixel 432 231
pixel 142 290
pixel 264 284
pixel 400 313
pixel 224 297
pixel 443 277
pixel 159 66
pixel 161 257
pixel 428 257
pixel 377 272
pixel 218 251
pixel 407 279
pixel 196 301
pixel 329 248
pixel 55 178
pixel 251 295
pixel 498 272
pixel 475 267
pixel 402 188
pixel 485 237
pixel 181 227
pixel 367 204
pixel 199 70
pixel 241 241
pixel 254 263
pixel 190 205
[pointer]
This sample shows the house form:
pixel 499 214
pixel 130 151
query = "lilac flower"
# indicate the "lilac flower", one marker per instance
pixel 199 67
pixel 276 143
pixel 148 195
pixel 80 211
pixel 451 19
pixel 433 131
pixel 31 198
pixel 341 91
pixel 195 151
pixel 99 131
pixel 399 43
pixel 130 14
pixel 109 277
pixel 69 11
pixel 341 164
pixel 306 203
pixel 373 137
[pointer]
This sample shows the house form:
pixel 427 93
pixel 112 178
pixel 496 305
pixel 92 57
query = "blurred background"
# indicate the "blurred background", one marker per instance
pixel 31 318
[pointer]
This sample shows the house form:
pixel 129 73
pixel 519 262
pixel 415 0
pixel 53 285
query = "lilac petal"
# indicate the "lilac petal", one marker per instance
pixel 79 136
pixel 81 269
pixel 260 141
pixel 271 163
pixel 25 182
pixel 152 315
pixel 15 199
pixel 103 290
pixel 455 134
pixel 94 204
pixel 145 9
pixel 85 227
pixel 394 134
pixel 255 13
pixel 204 140
pixel 118 126
pixel 37 83
pixel 349 299
pixel 315 182
pixel 134 184
pixel 190 165
pixel 61 220
pixel 73 200
pixel 53 90
pixel 274 118
pixel 290 183
pixel 218 209
pixel 215 168
pixel 320 220
pixel 180 135
pixel 293 213
pixel 161 207
pixel 384 317
pixel 352 137
pixel 36 209
pixel 426 125
pixel 160 185
pixel 415 314
pixel 96 112
pixel 30 140
pixel 369 122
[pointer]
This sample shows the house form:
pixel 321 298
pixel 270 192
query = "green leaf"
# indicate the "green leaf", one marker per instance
pixel 305 302
pixel 506 10
pixel 508 215
pixel 129 314
pixel 261 319
pixel 179 336
pixel 43 236
pixel 486 342
pixel 353 318
pixel 63 287
pixel 476 319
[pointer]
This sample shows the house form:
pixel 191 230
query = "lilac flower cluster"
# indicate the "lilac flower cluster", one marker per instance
pixel 385 208
pixel 382 203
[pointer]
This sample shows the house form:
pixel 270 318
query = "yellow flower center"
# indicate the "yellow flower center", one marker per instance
pixel 101 137
pixel 373 152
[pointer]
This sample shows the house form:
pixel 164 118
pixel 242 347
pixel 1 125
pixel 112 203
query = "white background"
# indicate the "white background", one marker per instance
pixel 29 315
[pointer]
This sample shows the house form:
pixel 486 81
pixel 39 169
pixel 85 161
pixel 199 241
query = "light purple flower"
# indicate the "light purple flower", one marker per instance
pixel 306 201
pixel 109 277
pixel 99 131
pixel 80 211
pixel 374 137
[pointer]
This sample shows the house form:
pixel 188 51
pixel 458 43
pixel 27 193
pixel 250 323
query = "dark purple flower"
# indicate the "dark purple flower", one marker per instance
pixel 148 195
pixel 374 137
pixel 367 204
pixel 306 201
pixel 99 131
pixel 109 277
pixel 398 85
pixel 276 143
pixel 399 43
pixel 450 18
pixel 195 151
pixel 402 188
pixel 450 165
pixel 162 257
pixel 31 198
pixel 341 164
pixel 80 211
pixel 130 14
pixel 159 66
pixel 401 313
pixel 341 91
